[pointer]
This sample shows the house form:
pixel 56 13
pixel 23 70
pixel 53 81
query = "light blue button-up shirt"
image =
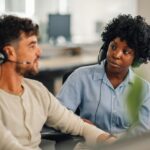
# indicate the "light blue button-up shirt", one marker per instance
pixel 89 89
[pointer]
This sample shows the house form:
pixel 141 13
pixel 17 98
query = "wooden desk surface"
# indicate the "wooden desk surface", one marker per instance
pixel 66 62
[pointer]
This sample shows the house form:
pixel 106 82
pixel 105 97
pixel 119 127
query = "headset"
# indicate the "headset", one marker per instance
pixel 3 57
pixel 100 97
pixel 101 54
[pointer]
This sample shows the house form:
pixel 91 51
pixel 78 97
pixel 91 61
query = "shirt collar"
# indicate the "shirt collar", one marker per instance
pixel 100 71
pixel 130 76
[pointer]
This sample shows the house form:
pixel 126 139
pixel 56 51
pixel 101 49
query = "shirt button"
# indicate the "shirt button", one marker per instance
pixel 29 137
pixel 113 124
pixel 113 96
pixel 114 111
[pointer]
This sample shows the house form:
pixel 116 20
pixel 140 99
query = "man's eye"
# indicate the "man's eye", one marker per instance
pixel 32 46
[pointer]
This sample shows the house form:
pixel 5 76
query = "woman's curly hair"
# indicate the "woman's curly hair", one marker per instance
pixel 11 28
pixel 135 31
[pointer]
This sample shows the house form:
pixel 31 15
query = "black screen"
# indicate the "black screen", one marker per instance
pixel 59 25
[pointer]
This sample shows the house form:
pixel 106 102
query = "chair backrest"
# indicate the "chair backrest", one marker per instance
pixel 66 75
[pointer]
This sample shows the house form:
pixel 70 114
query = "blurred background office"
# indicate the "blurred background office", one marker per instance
pixel 70 31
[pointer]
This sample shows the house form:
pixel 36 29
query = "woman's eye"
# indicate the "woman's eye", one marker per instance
pixel 113 47
pixel 126 52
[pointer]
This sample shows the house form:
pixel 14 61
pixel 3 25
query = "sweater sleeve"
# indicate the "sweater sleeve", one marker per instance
pixel 8 141
pixel 66 121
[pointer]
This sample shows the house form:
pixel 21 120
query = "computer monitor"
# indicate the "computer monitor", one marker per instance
pixel 59 25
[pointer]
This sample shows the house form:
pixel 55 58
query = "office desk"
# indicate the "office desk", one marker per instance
pixel 67 62
pixel 52 68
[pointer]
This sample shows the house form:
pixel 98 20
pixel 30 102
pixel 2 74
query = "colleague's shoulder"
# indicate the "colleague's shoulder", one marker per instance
pixel 144 82
pixel 87 69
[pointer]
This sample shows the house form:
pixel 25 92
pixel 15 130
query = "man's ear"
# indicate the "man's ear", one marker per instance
pixel 9 50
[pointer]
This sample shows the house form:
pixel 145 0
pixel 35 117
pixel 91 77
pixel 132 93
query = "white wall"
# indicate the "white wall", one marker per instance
pixel 44 7
pixel 85 14
pixel 144 9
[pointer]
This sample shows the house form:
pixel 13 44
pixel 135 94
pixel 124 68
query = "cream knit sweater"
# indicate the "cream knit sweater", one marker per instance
pixel 22 118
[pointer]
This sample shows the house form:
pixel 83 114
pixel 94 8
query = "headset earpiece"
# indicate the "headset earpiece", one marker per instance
pixel 100 56
pixel 102 53
pixel 3 57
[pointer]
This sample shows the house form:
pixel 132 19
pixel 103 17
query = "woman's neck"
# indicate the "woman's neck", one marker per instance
pixel 116 78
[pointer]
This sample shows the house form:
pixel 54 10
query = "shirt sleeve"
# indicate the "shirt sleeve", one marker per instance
pixel 66 121
pixel 8 141
pixel 70 93
pixel 143 124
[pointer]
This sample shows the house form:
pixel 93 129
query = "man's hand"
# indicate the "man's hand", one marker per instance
pixel 106 138
pixel 87 121
pixel 103 138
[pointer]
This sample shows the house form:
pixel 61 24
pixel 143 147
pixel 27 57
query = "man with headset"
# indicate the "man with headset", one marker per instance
pixel 25 104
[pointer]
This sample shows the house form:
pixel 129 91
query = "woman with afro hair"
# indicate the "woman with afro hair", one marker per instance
pixel 100 91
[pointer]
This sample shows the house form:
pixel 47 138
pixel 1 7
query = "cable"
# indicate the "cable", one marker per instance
pixel 99 98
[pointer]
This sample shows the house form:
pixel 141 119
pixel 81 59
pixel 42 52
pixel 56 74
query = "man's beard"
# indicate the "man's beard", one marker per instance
pixel 26 72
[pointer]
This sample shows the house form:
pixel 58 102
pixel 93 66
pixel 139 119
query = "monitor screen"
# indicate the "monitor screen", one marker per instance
pixel 59 25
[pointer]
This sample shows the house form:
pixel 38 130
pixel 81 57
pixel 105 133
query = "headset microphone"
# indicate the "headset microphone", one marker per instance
pixel 17 62
pixel 26 62
pixel 4 58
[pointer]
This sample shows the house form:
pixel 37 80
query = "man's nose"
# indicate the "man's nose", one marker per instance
pixel 39 50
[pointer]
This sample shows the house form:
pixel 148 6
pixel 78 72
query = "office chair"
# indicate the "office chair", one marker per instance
pixel 50 133
pixel 63 141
